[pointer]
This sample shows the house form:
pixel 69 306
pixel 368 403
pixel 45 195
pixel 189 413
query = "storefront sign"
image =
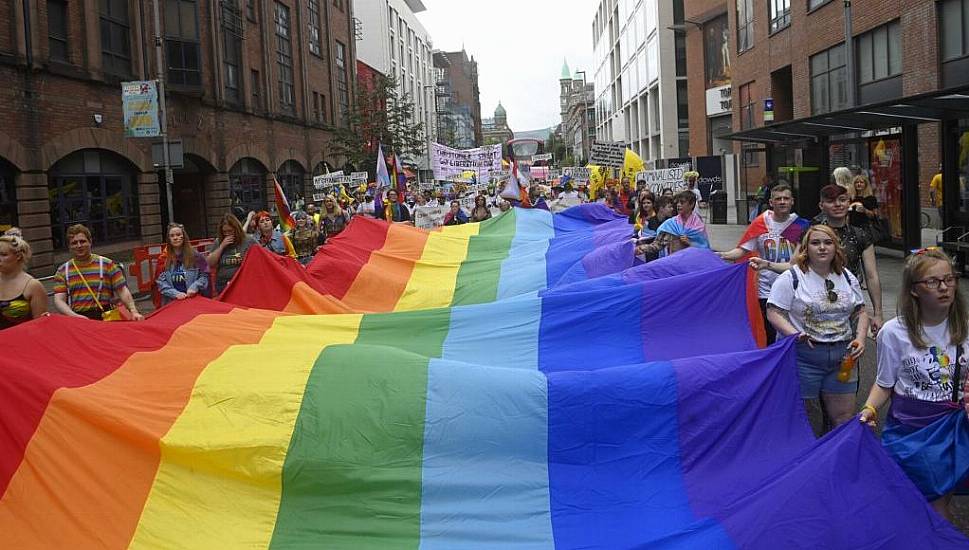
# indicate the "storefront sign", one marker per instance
pixel 139 101
pixel 611 155
pixel 719 101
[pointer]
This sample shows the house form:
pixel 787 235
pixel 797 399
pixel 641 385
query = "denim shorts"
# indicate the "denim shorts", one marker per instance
pixel 818 367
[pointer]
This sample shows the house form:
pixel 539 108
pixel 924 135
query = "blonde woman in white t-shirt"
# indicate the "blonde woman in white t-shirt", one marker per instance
pixel 819 300
pixel 922 358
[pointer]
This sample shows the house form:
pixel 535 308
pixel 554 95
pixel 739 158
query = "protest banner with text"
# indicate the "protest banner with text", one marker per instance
pixel 448 163
pixel 608 154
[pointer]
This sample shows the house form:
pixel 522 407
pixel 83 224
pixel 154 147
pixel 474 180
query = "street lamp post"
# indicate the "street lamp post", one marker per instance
pixel 427 118
pixel 163 114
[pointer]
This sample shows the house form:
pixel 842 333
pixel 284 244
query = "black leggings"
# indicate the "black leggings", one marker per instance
pixel 768 328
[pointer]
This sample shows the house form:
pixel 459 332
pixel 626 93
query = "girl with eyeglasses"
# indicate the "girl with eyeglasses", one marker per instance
pixel 22 297
pixel 922 358
pixel 820 302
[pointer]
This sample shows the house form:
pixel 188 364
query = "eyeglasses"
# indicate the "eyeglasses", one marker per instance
pixel 829 287
pixel 933 283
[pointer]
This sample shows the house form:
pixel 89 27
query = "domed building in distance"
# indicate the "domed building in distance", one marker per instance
pixel 496 130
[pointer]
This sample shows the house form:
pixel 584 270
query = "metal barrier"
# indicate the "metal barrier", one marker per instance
pixel 144 265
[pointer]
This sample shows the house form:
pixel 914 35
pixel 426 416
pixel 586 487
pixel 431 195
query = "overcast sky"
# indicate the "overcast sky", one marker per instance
pixel 519 46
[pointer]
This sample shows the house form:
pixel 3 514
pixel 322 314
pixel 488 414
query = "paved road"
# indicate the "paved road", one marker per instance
pixel 725 237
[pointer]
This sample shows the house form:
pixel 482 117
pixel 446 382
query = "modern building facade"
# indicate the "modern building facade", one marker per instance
pixel 396 44
pixel 577 101
pixel 640 76
pixel 460 76
pixel 254 91
pixel 496 130
pixel 708 63
pixel 889 102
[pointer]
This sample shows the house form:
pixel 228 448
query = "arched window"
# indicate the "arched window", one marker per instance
pixel 247 185
pixel 290 176
pixel 8 196
pixel 96 188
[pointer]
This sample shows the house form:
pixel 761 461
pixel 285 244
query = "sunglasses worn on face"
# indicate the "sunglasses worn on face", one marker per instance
pixel 829 287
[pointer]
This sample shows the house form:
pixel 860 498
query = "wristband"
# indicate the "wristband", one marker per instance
pixel 873 410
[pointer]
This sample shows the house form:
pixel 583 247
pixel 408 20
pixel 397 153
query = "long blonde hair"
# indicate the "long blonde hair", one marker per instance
pixel 908 305
pixel 854 192
pixel 801 257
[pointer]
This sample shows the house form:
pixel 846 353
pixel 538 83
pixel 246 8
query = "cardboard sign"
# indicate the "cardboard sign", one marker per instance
pixel 608 154
pixel 430 216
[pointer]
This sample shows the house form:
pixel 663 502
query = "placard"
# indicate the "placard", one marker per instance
pixel 657 180
pixel 577 173
pixel 608 154
pixel 430 216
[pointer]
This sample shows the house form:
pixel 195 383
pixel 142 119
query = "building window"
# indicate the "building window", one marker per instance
pixel 255 87
pixel 284 60
pixel 338 4
pixel 95 188
pixel 247 185
pixel 232 47
pixel 115 37
pixel 57 29
pixel 746 107
pixel 182 43
pixel 316 107
pixel 316 47
pixel 682 104
pixel 815 4
pixel 342 85
pixel 880 53
pixel 8 197
pixel 745 25
pixel 954 19
pixel 780 14
pixel 829 81
pixel 251 10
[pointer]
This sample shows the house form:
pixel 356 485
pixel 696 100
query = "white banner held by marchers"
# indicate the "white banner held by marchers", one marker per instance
pixel 447 162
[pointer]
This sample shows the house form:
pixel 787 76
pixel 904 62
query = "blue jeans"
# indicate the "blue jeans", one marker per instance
pixel 818 367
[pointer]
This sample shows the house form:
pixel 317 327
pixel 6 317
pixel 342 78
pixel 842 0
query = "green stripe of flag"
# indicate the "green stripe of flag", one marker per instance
pixel 478 276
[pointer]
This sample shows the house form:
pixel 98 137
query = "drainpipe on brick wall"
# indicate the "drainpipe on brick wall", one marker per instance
pixel 850 56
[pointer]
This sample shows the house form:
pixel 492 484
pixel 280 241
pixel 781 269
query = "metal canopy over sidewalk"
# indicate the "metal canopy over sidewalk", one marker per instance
pixel 935 106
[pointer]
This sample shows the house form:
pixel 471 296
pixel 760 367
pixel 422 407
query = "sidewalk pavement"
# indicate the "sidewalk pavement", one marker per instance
pixel 890 264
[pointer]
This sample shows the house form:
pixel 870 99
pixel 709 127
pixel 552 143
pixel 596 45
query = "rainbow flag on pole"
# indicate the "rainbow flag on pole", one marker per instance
pixel 509 384
pixel 286 221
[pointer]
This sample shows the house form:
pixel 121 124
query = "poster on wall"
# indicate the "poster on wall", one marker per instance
pixel 139 103
pixel 716 52
pixel 886 181
pixel 711 175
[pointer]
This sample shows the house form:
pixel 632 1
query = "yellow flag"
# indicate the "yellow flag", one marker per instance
pixel 596 180
pixel 632 165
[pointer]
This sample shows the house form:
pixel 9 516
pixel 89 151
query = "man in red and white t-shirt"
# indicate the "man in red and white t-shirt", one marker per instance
pixel 773 237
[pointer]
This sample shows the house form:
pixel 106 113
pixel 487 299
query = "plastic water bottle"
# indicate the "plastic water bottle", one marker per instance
pixel 847 364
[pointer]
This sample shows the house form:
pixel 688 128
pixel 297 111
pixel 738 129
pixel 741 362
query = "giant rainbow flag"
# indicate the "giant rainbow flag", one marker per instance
pixel 514 384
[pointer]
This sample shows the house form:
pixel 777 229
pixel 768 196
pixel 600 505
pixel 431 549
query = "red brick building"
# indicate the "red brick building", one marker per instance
pixel 254 90
pixel 462 74
pixel 904 65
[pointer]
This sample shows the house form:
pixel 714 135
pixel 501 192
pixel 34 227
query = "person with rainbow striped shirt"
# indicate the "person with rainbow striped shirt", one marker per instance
pixel 89 285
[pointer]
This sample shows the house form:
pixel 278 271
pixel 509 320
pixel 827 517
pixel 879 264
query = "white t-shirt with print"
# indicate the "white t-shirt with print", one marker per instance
pixel 773 247
pixel 809 308
pixel 925 374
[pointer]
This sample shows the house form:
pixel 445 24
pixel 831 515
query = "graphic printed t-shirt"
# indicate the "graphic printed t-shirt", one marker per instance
pixel 809 308
pixel 773 247
pixel 102 274
pixel 925 374
pixel 178 278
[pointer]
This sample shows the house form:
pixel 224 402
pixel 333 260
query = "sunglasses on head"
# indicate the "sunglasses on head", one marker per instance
pixel 829 287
